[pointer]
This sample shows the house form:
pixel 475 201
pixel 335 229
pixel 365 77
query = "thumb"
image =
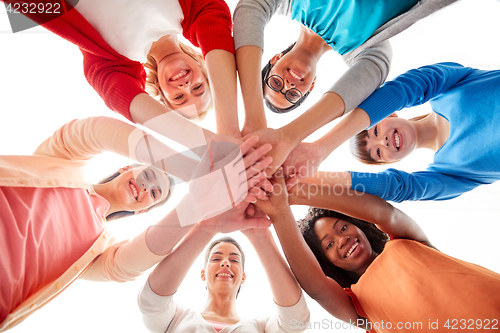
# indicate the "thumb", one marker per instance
pixel 256 222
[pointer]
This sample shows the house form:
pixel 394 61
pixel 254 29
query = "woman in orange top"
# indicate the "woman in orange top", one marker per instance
pixel 353 271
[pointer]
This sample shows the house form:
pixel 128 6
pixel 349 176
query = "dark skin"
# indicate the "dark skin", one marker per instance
pixel 326 291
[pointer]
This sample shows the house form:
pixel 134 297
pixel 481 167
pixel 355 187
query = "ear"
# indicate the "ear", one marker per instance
pixel 275 59
pixel 312 84
pixel 243 278
pixel 394 114
pixel 124 169
pixel 142 211
pixel 202 275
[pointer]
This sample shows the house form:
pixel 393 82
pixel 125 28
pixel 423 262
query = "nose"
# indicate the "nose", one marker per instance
pixel 382 140
pixel 343 241
pixel 225 262
pixel 184 84
pixel 289 85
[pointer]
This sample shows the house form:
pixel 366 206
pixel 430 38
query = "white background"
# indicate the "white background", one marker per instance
pixel 42 87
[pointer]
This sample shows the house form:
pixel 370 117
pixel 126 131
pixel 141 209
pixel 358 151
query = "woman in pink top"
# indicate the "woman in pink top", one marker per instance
pixel 52 228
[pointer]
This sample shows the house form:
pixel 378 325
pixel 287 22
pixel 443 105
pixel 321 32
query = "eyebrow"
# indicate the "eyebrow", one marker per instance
pixel 231 254
pixel 333 228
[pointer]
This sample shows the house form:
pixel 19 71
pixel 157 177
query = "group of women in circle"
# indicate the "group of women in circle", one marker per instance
pixel 363 260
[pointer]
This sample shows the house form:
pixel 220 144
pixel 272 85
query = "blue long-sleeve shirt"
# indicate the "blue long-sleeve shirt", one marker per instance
pixel 470 100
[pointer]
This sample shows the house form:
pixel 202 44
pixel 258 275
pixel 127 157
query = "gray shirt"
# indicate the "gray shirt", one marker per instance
pixel 369 64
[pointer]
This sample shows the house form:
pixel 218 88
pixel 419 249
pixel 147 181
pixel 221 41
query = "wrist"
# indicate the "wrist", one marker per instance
pixel 287 133
pixel 281 214
pixel 321 149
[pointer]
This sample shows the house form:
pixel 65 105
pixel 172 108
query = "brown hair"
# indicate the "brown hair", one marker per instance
pixel 226 239
pixel 357 144
pixel 153 84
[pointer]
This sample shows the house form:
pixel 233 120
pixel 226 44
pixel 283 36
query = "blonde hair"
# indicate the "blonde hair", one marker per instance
pixel 357 144
pixel 153 84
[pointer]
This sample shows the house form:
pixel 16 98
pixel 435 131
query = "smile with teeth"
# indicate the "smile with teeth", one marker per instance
pixel 181 74
pixel 351 250
pixel 134 190
pixel 294 75
pixel 227 275
pixel 396 139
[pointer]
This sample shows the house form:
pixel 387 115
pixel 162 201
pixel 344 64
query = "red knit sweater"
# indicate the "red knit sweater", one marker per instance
pixel 117 79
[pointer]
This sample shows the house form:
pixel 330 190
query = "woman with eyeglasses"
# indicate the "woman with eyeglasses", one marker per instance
pixel 132 48
pixel 53 221
pixel 357 30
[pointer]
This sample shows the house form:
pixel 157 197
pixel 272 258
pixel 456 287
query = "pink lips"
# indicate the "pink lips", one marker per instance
pixel 181 74
pixel 222 275
pixel 134 190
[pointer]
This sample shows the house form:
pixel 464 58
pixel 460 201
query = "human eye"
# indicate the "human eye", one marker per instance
pixel 378 152
pixel 329 245
pixel 153 194
pixel 179 97
pixel 375 130
pixel 276 83
pixel 145 175
pixel 235 261
pixel 198 86
pixel 215 259
pixel 343 228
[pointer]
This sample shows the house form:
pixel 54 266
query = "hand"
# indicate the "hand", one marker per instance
pixel 278 200
pixel 282 146
pixel 223 177
pixel 302 162
pixel 236 219
pixel 249 129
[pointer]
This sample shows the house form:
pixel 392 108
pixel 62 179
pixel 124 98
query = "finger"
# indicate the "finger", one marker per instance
pixel 266 185
pixel 250 211
pixel 259 167
pixel 256 155
pixel 258 193
pixel 259 222
pixel 292 181
pixel 248 144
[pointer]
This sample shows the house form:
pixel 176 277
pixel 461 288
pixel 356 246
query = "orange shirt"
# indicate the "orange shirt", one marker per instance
pixel 413 288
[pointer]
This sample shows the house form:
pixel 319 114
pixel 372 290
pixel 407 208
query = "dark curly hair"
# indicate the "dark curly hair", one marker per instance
pixel 265 73
pixel 375 236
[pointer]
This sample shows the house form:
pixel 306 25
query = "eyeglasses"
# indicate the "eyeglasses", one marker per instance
pixel 276 83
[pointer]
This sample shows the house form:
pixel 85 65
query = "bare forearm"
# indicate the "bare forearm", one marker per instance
pixel 328 108
pixel 221 67
pixel 171 271
pixel 248 60
pixel 152 114
pixel 285 289
pixel 350 125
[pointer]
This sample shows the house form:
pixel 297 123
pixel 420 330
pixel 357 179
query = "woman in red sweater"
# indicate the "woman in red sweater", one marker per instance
pixel 118 40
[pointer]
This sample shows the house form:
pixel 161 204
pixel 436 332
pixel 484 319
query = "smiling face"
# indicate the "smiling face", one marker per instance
pixel 183 83
pixel 344 244
pixel 391 140
pixel 224 269
pixel 139 188
pixel 296 72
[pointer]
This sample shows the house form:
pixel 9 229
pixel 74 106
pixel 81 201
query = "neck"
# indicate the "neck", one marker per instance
pixel 363 269
pixel 311 44
pixel 163 47
pixel 432 131
pixel 221 308
pixel 104 191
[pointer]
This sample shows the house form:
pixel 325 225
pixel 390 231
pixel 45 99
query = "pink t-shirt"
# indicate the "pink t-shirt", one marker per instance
pixel 217 326
pixel 43 231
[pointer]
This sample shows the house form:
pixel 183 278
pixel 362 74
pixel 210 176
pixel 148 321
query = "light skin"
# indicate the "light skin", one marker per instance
pixel 336 233
pixel 299 62
pixel 184 85
pixel 394 138
pixel 135 189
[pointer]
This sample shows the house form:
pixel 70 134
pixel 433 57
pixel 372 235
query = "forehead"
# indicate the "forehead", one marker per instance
pixel 325 224
pixel 225 248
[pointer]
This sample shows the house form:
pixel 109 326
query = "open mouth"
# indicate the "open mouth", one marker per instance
pixel 295 75
pixel 352 249
pixel 134 190
pixel 224 275
pixel 179 75
pixel 397 140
